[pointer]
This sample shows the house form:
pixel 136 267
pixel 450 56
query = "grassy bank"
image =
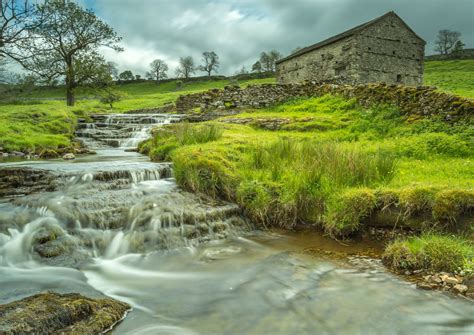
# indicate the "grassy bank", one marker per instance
pixel 330 162
pixel 36 128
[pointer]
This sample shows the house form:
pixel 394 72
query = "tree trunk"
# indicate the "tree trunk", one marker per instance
pixel 70 84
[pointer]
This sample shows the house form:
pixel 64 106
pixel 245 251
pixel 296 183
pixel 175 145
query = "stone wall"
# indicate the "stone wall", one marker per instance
pixel 411 100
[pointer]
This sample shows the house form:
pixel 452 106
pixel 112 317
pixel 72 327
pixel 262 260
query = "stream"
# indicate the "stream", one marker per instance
pixel 117 224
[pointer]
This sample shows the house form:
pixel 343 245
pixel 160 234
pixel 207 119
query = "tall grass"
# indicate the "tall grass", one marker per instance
pixel 291 180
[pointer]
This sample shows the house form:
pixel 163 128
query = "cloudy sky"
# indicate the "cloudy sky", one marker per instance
pixel 238 30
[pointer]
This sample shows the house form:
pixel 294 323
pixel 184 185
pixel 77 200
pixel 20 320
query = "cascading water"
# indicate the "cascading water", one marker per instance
pixel 117 223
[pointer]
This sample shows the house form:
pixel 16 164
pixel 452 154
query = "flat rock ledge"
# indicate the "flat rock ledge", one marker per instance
pixel 54 313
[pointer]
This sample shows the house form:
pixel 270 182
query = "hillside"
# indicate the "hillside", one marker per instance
pixel 453 76
pixel 38 120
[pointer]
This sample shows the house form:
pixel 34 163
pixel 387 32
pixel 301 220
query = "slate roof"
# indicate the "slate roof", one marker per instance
pixel 345 34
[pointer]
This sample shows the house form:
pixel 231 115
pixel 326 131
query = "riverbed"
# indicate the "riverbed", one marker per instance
pixel 117 224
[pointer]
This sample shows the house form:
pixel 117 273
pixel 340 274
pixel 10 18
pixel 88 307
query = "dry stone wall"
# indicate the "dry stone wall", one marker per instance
pixel 422 100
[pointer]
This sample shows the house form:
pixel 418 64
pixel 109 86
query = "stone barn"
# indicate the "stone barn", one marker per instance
pixel 385 49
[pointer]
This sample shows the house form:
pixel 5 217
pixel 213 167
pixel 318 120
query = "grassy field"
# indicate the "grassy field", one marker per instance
pixel 36 121
pixel 453 76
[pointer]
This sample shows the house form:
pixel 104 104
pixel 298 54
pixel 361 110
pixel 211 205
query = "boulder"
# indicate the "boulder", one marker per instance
pixel 69 156
pixel 54 313
pixel 458 288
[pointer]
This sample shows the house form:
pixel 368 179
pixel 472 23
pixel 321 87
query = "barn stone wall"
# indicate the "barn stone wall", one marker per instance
pixel 389 52
pixel 332 62
pixel 385 51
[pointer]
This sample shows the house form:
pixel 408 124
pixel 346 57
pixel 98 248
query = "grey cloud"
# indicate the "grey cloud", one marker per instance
pixel 238 30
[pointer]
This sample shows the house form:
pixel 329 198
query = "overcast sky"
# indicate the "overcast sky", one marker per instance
pixel 238 30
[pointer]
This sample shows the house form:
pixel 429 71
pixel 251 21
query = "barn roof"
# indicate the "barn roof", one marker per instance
pixel 345 34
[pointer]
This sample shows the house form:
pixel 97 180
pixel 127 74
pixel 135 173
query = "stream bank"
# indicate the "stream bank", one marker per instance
pixel 117 224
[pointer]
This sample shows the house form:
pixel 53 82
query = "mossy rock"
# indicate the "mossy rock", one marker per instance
pixel 53 313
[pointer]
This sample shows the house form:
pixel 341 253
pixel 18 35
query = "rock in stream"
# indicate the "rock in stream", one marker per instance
pixel 54 313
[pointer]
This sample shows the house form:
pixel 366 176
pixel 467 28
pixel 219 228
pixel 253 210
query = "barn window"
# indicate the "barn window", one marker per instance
pixel 399 78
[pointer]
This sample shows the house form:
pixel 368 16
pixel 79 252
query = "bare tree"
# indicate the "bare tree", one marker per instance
pixel 274 57
pixel 186 67
pixel 210 62
pixel 64 46
pixel 446 40
pixel 17 17
pixel 158 69
pixel 268 60
pixel 113 69
pixel 459 46
pixel 257 67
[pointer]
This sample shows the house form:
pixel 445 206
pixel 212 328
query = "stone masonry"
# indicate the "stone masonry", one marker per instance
pixel 382 50
pixel 421 100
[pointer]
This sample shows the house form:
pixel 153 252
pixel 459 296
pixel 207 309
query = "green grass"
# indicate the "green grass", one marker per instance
pixel 31 125
pixel 431 252
pixel 453 76
pixel 334 175
pixel 138 95
pixel 35 128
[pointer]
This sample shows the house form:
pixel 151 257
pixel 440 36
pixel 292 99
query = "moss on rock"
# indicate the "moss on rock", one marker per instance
pixel 53 313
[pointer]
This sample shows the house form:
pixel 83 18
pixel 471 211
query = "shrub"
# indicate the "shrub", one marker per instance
pixel 430 252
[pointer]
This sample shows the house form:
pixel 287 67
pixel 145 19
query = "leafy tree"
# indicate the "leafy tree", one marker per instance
pixel 126 75
pixel 113 69
pixel 110 97
pixel 210 62
pixel 257 67
pixel 446 40
pixel 64 46
pixel 159 70
pixel 17 18
pixel 138 77
pixel 186 67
